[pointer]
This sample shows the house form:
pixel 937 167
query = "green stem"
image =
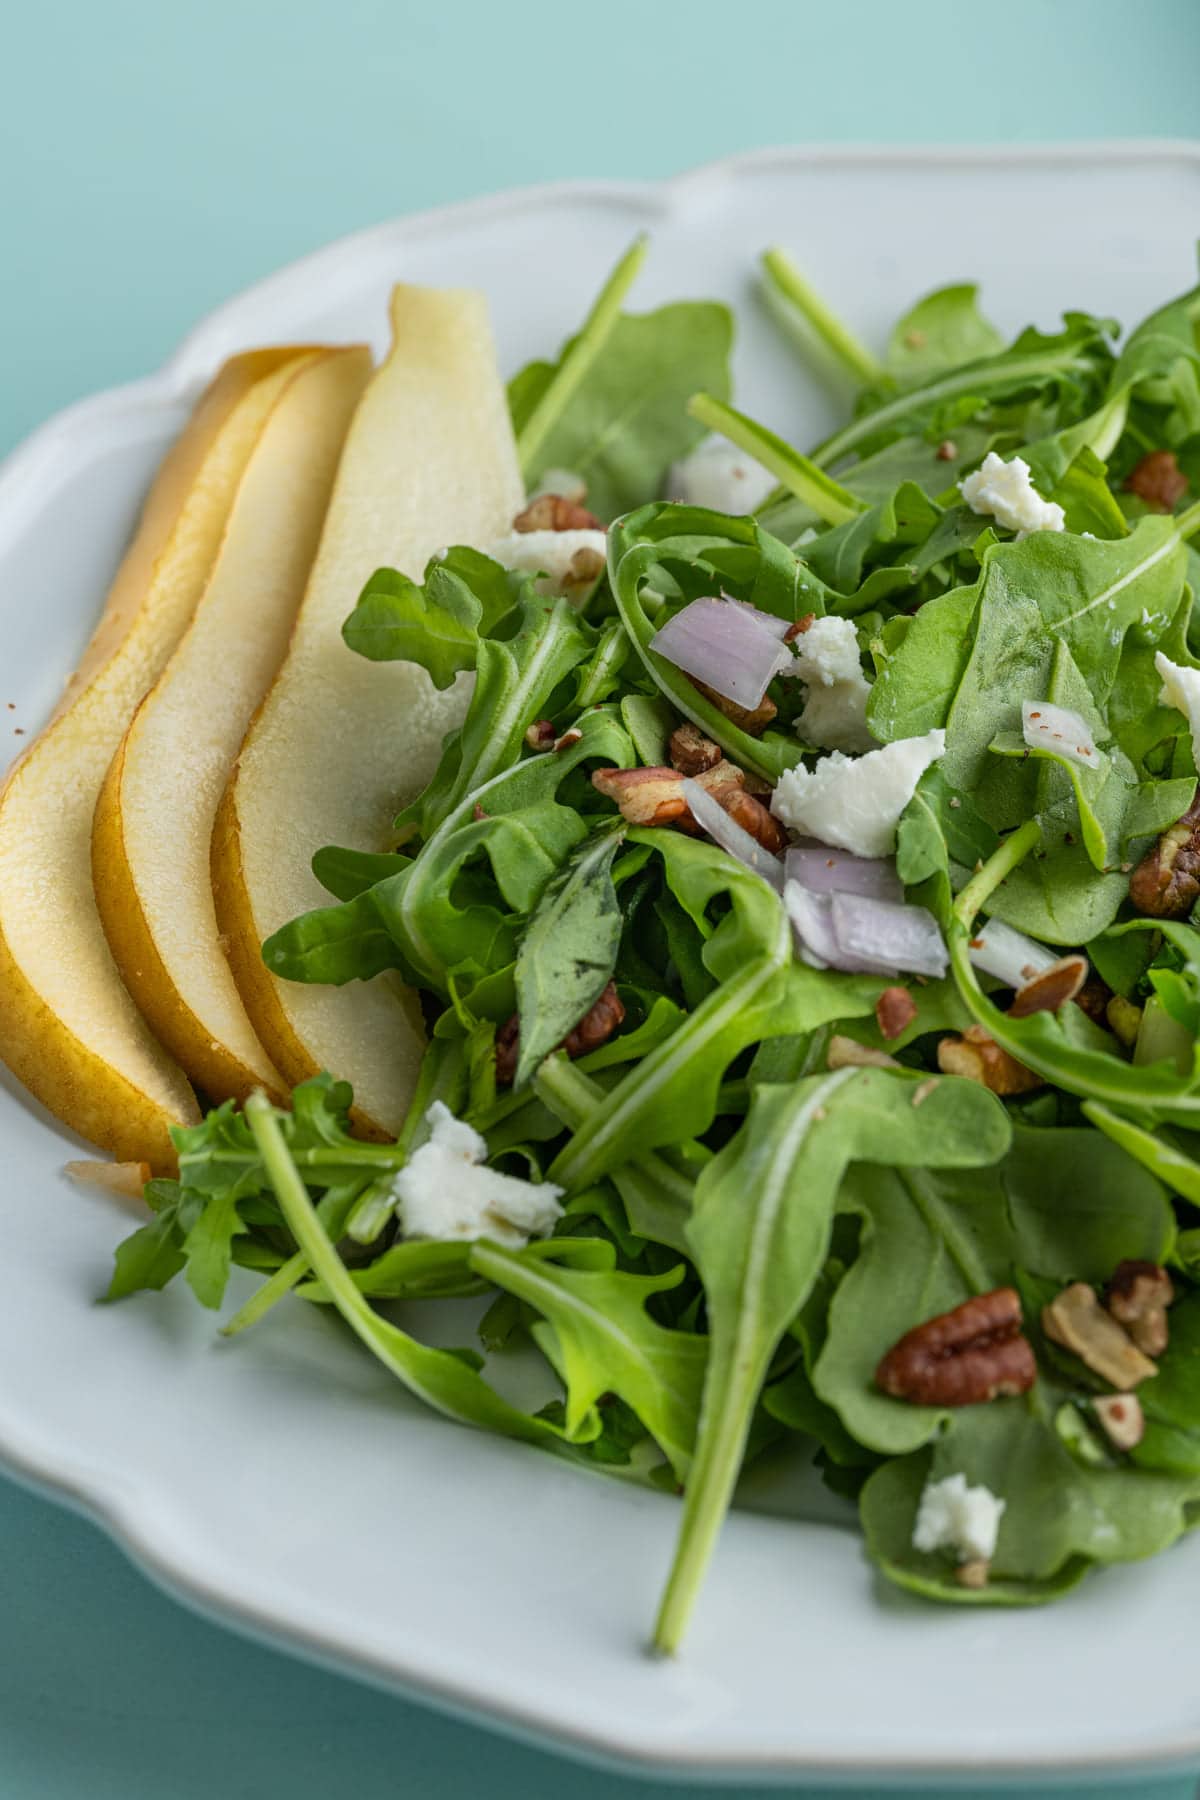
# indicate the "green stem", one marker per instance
pixel 785 282
pixel 1002 862
pixel 264 1297
pixel 578 359
pixel 801 477
pixel 973 379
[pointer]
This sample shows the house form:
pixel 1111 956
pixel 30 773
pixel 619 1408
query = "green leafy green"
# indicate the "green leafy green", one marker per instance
pixel 569 950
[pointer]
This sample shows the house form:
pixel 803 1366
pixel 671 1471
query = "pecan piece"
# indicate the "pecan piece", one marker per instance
pixel 947 450
pixel 798 627
pixel 895 1011
pixel 583 572
pixel 595 1028
pixel 964 1357
pixel 1158 480
pixel 978 1057
pixel 555 512
pixel 540 735
pixel 1166 883
pixel 691 752
pixel 753 817
pixel 1138 1296
pixel 1122 1419
pixel 651 796
pixel 848 1053
pixel 1046 992
pixel 1077 1321
pixel 1093 999
pixel 751 719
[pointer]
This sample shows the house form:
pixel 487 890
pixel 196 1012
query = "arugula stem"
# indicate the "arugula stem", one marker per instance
pixel 578 359
pixel 267 1295
pixel 1002 862
pixel 786 282
pixel 801 477
pixel 977 378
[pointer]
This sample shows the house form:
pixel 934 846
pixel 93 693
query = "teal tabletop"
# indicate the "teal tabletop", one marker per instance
pixel 159 157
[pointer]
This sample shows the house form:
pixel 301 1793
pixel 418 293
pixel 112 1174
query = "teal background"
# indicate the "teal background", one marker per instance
pixel 156 158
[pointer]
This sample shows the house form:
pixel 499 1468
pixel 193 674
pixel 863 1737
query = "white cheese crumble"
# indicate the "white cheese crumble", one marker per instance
pixel 1181 689
pixel 1006 491
pixel 1057 728
pixel 855 803
pixel 550 554
pixel 445 1192
pixel 953 1516
pixel 835 710
pixel 721 477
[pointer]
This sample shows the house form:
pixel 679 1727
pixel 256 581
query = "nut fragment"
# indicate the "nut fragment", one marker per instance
pixel 895 1011
pixel 964 1357
pixel 571 735
pixel 1122 1418
pixel 1138 1296
pixel 978 1057
pixel 847 1053
pixel 1124 1020
pixel 691 752
pixel 973 1574
pixel 1050 989
pixel 540 735
pixel 1076 1320
pixel 583 572
pixel 751 719
pixel 947 450
pixel 595 1028
pixel 1166 883
pixel 753 817
pixel 798 627
pixel 556 512
pixel 1093 998
pixel 652 796
pixel 1158 480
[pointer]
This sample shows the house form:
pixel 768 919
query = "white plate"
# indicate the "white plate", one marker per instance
pixel 283 1481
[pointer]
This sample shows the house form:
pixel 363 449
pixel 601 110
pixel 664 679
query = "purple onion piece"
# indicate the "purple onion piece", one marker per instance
pixel 719 643
pixel 723 830
pixel 829 871
pixel 905 938
pixel 816 939
pixel 777 627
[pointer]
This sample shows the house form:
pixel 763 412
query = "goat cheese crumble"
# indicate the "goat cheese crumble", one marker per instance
pixel 953 1516
pixel 855 803
pixel 550 554
pixel 721 477
pixel 444 1191
pixel 1181 689
pixel 834 716
pixel 1006 491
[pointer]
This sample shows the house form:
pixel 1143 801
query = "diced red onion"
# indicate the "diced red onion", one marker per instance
pixel 726 832
pixel 828 871
pixel 777 627
pixel 817 941
pixel 905 938
pixel 1009 955
pixel 1057 728
pixel 719 643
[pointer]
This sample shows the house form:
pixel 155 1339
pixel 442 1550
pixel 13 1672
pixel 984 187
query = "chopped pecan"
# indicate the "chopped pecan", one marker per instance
pixel 1093 998
pixel 1122 1418
pixel 540 735
pixel 1046 992
pixel 1076 1320
pixel 571 735
pixel 1124 1020
pixel 1138 1296
pixel 691 752
pixel 753 817
pixel 977 1056
pixel 947 450
pixel 973 1574
pixel 1158 480
pixel 1166 883
pixel 751 719
pixel 895 1011
pixel 651 796
pixel 555 512
pixel 595 1028
pixel 848 1053
pixel 961 1358
pixel 583 572
pixel 798 627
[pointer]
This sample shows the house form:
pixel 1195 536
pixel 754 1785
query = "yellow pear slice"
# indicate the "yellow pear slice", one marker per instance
pixel 154 818
pixel 341 744
pixel 68 1028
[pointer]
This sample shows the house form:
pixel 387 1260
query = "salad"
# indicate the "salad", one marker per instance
pixel 801 919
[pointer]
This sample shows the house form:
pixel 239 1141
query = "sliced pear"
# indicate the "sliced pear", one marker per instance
pixel 68 1028
pixel 154 818
pixel 341 744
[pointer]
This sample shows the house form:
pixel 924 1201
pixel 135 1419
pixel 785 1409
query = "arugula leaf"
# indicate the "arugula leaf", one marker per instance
pixel 604 1341
pixel 465 597
pixel 760 1233
pixel 613 408
pixel 153 1255
pixel 569 950
pixel 942 331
